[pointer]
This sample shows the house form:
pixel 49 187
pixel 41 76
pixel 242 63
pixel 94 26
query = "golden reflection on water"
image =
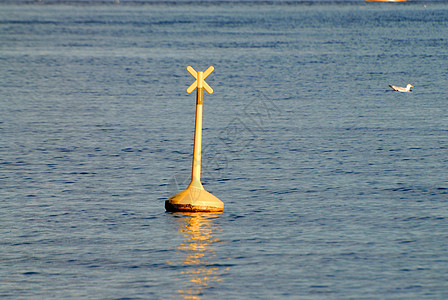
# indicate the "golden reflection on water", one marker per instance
pixel 199 272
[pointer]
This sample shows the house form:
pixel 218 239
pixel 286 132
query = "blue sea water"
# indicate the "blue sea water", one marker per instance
pixel 334 187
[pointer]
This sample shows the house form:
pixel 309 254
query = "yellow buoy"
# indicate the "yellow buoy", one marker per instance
pixel 195 198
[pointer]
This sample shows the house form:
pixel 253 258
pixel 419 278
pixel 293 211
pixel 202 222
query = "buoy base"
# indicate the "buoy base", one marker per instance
pixel 194 199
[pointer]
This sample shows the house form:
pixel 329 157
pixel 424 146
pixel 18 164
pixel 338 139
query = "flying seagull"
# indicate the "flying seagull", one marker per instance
pixel 401 89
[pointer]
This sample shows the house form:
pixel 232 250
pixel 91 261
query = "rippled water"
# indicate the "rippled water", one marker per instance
pixel 334 187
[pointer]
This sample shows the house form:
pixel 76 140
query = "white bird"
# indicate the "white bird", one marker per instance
pixel 401 89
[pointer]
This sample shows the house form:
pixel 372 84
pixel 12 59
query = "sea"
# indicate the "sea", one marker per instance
pixel 334 186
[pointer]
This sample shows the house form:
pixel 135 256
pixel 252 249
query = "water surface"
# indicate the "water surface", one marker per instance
pixel 334 187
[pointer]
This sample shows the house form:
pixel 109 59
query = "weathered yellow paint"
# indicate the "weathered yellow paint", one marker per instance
pixel 195 198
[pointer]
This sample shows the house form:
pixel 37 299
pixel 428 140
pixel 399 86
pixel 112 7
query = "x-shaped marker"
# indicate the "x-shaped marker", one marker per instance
pixel 200 82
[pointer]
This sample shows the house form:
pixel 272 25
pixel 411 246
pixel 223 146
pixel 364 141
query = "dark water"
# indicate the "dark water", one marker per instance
pixel 334 187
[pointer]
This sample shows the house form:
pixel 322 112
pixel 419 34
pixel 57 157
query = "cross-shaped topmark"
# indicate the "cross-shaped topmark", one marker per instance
pixel 200 82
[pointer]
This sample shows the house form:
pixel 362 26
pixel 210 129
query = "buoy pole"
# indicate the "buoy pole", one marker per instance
pixel 197 151
pixel 195 198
